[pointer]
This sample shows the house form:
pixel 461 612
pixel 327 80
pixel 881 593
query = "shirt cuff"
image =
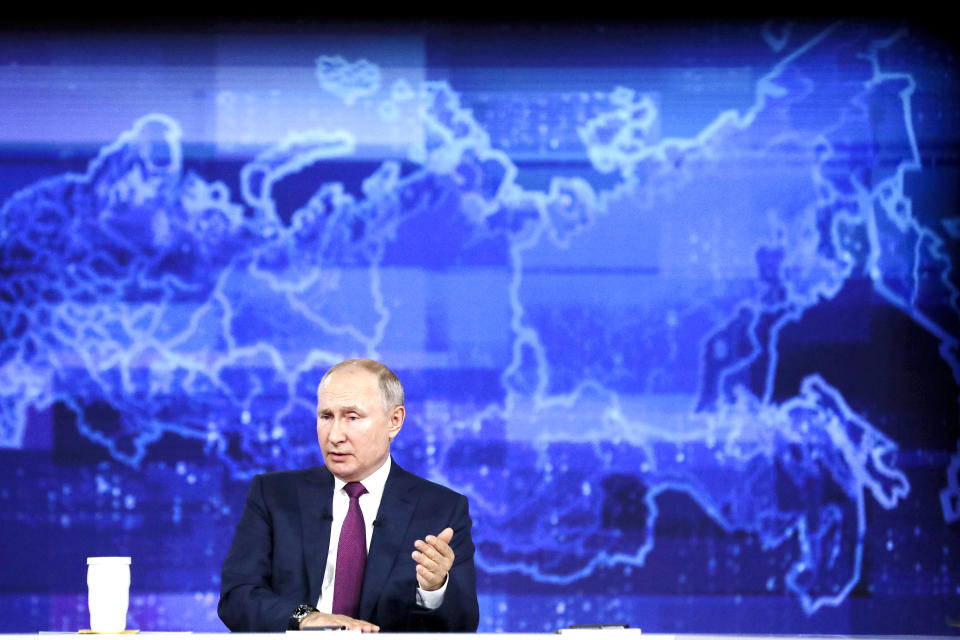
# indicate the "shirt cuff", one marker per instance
pixel 432 599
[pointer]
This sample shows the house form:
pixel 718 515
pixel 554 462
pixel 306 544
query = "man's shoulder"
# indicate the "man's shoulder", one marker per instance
pixel 422 485
pixel 288 477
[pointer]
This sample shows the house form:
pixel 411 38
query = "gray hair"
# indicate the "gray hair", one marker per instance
pixel 391 391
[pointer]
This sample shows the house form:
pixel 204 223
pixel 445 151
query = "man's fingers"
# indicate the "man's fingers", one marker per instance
pixel 434 560
pixel 429 580
pixel 435 563
pixel 364 626
pixel 434 557
pixel 318 619
pixel 425 561
pixel 434 548
pixel 440 542
pixel 442 547
pixel 353 623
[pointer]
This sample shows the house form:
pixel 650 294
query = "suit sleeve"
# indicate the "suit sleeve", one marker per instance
pixel 459 611
pixel 247 599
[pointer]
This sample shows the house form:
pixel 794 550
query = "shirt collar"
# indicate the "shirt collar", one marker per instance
pixel 373 483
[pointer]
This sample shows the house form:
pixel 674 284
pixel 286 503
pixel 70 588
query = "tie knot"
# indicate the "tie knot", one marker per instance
pixel 354 490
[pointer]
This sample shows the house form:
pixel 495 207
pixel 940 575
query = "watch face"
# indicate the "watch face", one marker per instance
pixel 301 612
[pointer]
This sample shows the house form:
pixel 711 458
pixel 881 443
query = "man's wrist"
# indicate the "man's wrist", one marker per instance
pixel 301 612
pixel 432 599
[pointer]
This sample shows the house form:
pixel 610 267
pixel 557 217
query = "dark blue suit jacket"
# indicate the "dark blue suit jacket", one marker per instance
pixel 279 554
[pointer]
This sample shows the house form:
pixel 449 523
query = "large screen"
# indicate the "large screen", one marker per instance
pixel 675 305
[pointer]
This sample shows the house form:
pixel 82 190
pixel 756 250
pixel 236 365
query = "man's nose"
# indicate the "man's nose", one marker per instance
pixel 337 433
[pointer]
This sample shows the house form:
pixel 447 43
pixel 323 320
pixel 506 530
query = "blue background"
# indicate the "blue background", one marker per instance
pixel 674 304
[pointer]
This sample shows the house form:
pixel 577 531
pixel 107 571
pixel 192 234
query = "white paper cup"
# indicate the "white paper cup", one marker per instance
pixel 108 593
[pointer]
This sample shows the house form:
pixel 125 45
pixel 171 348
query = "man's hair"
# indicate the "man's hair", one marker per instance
pixel 391 391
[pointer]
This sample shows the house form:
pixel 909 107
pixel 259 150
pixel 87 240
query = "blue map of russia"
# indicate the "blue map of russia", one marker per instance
pixel 184 308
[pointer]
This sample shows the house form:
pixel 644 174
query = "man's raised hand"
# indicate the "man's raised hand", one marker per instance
pixel 434 557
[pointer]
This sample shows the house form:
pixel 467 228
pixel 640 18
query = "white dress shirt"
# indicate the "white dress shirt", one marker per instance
pixel 369 506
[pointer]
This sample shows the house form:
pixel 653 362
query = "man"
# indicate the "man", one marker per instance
pixel 359 542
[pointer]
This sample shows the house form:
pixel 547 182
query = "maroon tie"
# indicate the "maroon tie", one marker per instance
pixel 351 555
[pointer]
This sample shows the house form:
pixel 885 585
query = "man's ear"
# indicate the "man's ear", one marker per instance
pixel 396 421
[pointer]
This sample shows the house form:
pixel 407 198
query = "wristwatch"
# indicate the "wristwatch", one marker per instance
pixel 301 612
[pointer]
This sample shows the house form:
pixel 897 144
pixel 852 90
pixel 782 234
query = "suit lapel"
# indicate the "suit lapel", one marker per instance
pixel 316 502
pixel 388 543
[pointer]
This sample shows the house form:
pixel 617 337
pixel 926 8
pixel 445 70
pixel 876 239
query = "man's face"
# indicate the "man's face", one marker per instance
pixel 353 429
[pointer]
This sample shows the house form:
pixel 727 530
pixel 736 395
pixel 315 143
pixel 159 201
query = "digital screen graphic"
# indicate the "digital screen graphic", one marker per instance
pixel 674 304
